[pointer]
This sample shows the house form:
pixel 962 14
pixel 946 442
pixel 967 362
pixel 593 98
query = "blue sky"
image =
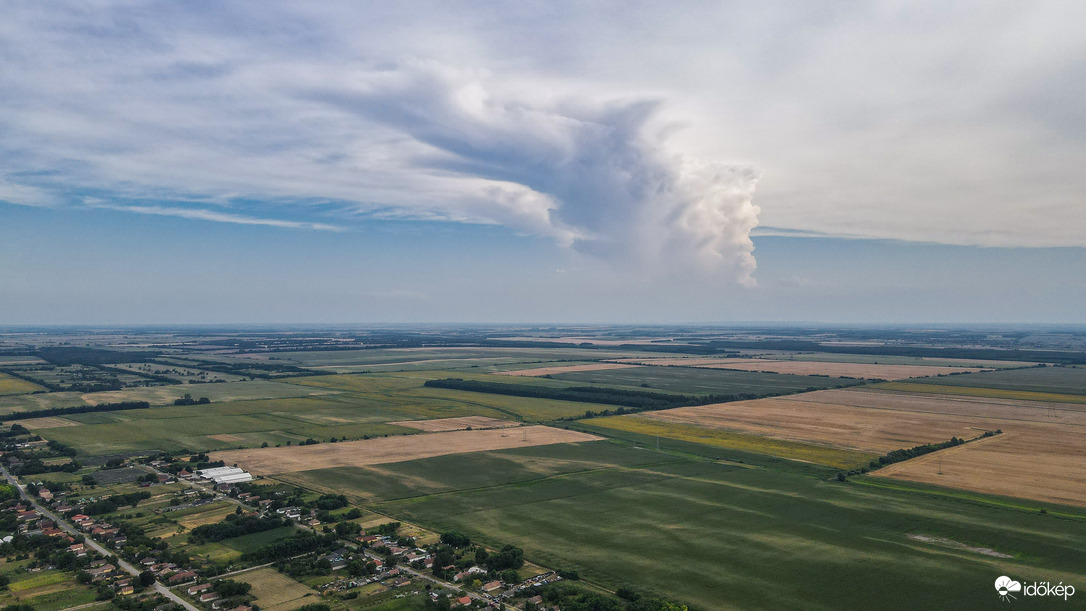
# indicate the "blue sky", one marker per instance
pixel 275 162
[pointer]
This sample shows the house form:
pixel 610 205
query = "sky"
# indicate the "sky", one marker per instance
pixel 263 162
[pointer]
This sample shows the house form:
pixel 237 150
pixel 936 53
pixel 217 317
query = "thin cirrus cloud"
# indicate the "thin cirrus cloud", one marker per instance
pixel 219 217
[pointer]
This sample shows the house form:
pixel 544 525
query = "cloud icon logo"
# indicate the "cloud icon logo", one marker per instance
pixel 1005 585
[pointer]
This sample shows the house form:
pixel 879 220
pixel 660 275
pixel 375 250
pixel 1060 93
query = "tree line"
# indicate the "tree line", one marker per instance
pixel 79 409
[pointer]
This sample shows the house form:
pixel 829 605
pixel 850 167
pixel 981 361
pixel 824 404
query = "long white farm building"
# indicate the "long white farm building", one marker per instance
pixel 225 475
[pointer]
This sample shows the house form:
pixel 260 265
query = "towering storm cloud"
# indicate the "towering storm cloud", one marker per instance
pixel 596 175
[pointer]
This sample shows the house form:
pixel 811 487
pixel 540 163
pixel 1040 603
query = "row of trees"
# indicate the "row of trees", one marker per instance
pixel 79 409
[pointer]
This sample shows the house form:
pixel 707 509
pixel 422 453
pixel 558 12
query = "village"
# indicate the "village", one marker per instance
pixel 116 558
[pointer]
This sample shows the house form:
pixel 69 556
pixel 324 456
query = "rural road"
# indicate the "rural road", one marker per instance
pixel 63 524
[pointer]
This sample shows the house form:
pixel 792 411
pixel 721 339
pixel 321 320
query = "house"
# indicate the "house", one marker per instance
pixel 463 601
pixel 337 559
pixel 200 587
pixel 461 576
pixel 77 549
pixel 125 589
pixel 208 597
pixel 368 538
pixel 45 494
pixel 105 569
pixel 24 516
pixel 491 586
pixel 181 577
pixel 536 600
pixel 149 561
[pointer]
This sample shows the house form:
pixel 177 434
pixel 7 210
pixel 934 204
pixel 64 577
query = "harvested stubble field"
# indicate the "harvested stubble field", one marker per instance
pixel 271 461
pixel 543 371
pixel 456 424
pixel 48 422
pixel 697 433
pixel 867 371
pixel 1039 461
pixel 275 591
pixel 1040 456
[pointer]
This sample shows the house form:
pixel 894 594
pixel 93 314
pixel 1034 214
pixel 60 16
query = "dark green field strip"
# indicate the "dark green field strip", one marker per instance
pixel 692 380
pixel 1061 380
pixel 473 471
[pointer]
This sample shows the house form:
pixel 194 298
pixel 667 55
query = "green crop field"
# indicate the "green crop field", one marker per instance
pixel 689 380
pixel 1058 380
pixel 249 543
pixel 720 535
pixel 971 391
pixel 405 392
pixel 224 391
pixel 467 471
pixel 11 385
pixel 334 359
pixel 12 404
pixel 223 425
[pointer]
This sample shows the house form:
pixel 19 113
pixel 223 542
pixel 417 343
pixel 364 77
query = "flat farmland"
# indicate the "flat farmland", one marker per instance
pixel 405 392
pixel 275 591
pixel 1059 380
pixel 11 385
pixel 544 371
pixel 333 360
pixel 271 461
pixel 690 380
pixel 932 387
pixel 1043 444
pixel 224 391
pixel 846 370
pixel 887 359
pixel 224 425
pixel 11 404
pixel 698 432
pixel 813 421
pixel 455 424
pixel 1043 462
pixel 47 423
pixel 449 473
pixel 715 535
